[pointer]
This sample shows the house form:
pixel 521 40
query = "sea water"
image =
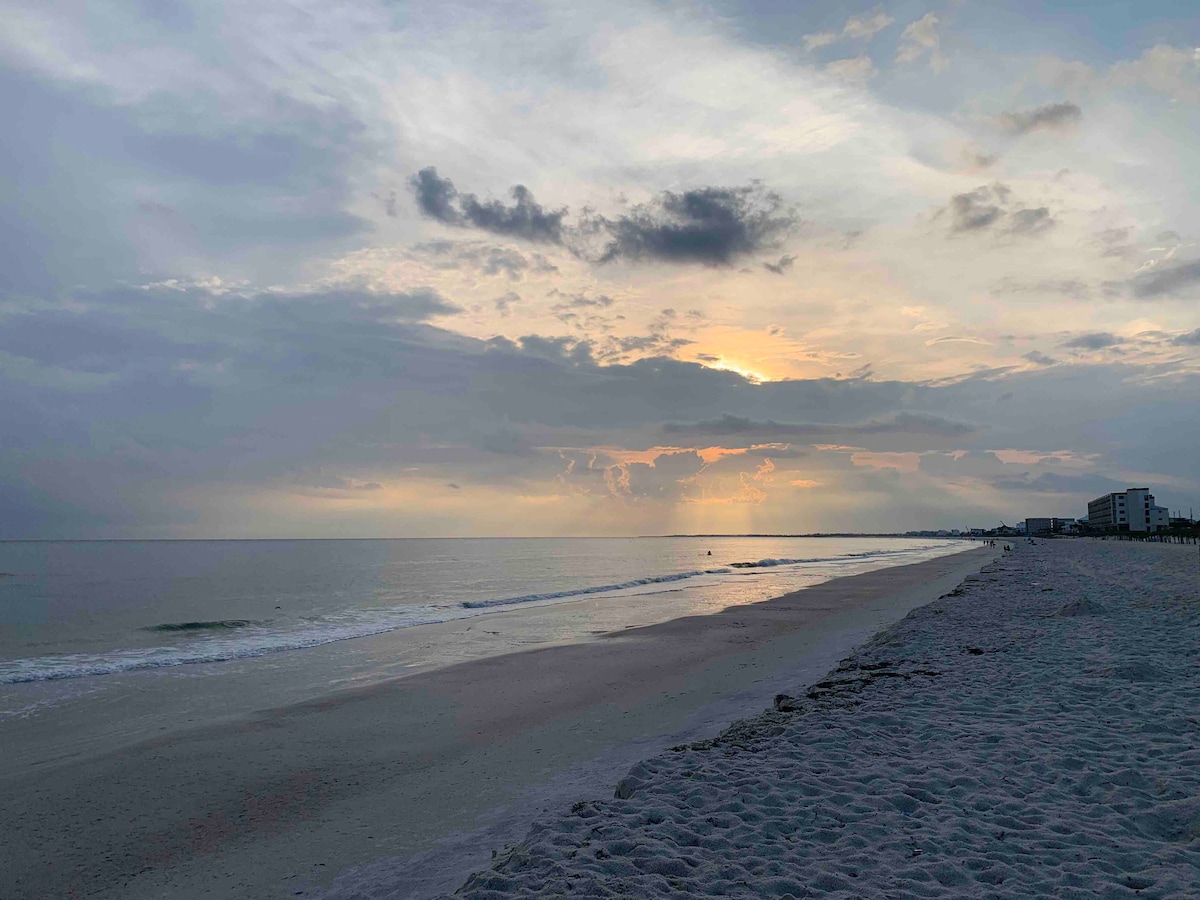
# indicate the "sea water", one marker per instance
pixel 85 610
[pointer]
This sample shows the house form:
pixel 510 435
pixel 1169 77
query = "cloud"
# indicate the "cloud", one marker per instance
pixel 975 209
pixel 921 38
pixel 1030 221
pixel 1052 117
pixel 339 483
pixel 784 263
pixel 990 207
pixel 821 39
pixel 714 226
pixel 488 259
pixel 711 225
pixel 436 196
pixel 1072 288
pixel 503 304
pixel 956 339
pixel 862 27
pixel 581 301
pixel 1169 70
pixel 901 423
pixel 855 68
pixel 1189 339
pixel 411 306
pixel 1095 340
pixel 1055 483
pixel 669 477
pixel 868 24
pixel 1165 280
pixel 1039 358
pixel 134 410
pixel 525 218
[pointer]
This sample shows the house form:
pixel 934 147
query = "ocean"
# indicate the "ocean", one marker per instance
pixel 83 609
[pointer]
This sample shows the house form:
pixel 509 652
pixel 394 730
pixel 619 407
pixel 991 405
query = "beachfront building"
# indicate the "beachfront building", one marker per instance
pixel 1049 525
pixel 1132 509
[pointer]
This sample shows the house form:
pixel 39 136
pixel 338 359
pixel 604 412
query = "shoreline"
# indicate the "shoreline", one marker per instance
pixel 284 799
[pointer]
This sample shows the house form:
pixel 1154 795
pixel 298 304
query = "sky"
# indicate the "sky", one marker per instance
pixel 386 269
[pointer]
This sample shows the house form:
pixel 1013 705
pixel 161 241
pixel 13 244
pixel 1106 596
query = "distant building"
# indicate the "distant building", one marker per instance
pixel 1132 509
pixel 1050 525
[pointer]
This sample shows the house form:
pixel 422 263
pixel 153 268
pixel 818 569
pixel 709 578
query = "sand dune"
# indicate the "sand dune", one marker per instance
pixel 1036 733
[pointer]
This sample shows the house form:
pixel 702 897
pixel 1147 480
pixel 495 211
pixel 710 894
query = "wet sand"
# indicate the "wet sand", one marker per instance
pixel 444 765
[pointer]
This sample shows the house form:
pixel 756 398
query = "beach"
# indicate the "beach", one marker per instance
pixel 1032 733
pixel 407 784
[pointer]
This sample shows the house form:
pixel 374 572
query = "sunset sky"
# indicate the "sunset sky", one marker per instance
pixel 315 268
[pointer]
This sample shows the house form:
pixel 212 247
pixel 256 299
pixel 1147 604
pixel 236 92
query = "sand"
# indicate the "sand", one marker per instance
pixel 1034 733
pixel 414 780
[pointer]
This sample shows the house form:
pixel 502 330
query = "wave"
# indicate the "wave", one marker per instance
pixel 768 563
pixel 218 625
pixel 599 589
pixel 845 557
pixel 224 640
pixel 213 648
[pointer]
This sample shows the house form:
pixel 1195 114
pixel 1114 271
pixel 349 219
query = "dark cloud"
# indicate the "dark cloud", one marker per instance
pixel 990 208
pixel 644 343
pixel 1053 117
pixel 436 196
pixel 1190 339
pixel 581 301
pixel 1095 340
pixel 901 423
pixel 525 218
pixel 714 226
pixel 1165 280
pixel 503 303
pixel 1039 358
pixel 785 263
pixel 1030 221
pixel 976 209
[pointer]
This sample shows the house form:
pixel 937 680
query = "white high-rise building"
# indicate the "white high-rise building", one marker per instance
pixel 1132 509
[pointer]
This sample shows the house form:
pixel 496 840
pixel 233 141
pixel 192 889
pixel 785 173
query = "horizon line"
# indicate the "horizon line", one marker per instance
pixel 490 537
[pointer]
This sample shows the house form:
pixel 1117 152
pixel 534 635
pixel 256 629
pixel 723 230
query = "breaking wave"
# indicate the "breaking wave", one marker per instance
pixel 600 589
pixel 218 625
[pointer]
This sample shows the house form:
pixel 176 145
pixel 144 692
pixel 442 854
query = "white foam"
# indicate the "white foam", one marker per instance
pixel 600 589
